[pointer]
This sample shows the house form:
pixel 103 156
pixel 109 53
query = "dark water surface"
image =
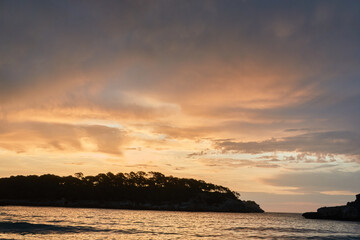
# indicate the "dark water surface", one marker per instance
pixel 80 223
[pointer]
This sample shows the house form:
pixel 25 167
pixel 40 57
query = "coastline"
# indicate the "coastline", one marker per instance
pixel 191 206
pixel 348 212
pixel 140 191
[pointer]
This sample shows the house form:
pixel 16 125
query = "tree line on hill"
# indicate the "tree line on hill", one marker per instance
pixel 151 187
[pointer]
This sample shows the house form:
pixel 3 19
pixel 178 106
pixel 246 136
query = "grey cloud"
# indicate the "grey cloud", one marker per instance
pixel 46 37
pixel 335 142
pixel 197 154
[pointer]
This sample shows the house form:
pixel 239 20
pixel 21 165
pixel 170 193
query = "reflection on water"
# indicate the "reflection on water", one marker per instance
pixel 71 223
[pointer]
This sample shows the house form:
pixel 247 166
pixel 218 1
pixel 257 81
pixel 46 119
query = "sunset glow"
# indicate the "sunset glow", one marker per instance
pixel 260 96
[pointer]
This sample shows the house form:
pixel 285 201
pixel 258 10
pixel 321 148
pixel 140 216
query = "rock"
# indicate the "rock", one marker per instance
pixel 311 215
pixel 348 212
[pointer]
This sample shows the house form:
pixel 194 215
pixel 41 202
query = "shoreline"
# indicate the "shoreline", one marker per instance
pixel 348 212
pixel 227 207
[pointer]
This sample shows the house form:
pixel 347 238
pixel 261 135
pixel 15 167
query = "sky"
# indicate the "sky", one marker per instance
pixel 259 96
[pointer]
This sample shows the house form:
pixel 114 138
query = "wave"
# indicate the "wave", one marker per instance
pixel 31 228
pixel 281 229
pixel 24 228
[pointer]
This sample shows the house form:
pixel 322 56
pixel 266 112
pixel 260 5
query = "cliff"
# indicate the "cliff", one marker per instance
pixel 348 212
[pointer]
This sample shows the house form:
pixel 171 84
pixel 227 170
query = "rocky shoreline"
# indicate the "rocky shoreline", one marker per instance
pixel 348 212
pixel 229 205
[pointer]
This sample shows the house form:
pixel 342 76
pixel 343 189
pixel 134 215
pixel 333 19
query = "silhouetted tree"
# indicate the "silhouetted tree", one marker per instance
pixel 139 186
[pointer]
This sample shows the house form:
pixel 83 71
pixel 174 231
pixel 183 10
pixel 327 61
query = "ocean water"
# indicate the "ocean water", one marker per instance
pixel 82 223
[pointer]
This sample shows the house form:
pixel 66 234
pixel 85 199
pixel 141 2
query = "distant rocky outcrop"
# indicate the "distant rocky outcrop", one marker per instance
pixel 349 212
pixel 134 190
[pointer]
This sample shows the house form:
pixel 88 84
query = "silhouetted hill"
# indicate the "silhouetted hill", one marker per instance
pixel 134 190
pixel 349 212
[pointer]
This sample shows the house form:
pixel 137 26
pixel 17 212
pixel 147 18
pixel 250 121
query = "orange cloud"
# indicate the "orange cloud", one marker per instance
pixel 28 136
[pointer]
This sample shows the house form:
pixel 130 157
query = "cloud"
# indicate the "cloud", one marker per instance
pixel 237 163
pixel 179 54
pixel 312 168
pixel 301 203
pixel 298 130
pixel 169 77
pixel 308 182
pixel 29 136
pixel 195 132
pixel 334 142
pixel 197 154
pixel 205 61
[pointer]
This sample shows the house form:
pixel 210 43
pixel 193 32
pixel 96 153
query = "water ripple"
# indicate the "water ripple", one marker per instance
pixel 281 229
pixel 91 224
pixel 31 228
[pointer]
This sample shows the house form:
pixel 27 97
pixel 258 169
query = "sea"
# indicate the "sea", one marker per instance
pixel 84 223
